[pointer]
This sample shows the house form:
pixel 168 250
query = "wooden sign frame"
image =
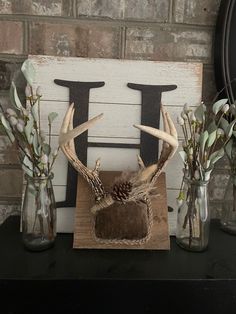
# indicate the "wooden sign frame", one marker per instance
pixel 126 96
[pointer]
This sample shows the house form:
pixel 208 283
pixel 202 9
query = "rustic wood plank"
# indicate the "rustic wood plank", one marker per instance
pixel 187 76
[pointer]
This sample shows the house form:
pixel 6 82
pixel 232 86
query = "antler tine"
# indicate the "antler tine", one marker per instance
pixel 170 145
pixel 65 135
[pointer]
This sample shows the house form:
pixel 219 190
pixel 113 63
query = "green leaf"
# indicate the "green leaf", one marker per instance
pixel 7 128
pixel 224 124
pixel 28 128
pixel 27 171
pixel 29 71
pixel 228 148
pixel 36 144
pixel 46 149
pixel 27 166
pixel 51 117
pixel 214 157
pixel 17 101
pixel 217 106
pixel 230 129
pixel 5 123
pixel 212 127
pixel 199 113
pixel 34 110
pixel 211 139
pixel 183 155
pixel 203 138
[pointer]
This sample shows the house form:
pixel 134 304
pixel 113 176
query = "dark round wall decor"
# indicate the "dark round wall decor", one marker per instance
pixel 225 50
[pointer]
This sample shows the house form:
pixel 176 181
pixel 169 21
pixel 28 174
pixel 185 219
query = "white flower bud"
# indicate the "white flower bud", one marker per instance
pixel 192 117
pixel 190 151
pixel 21 121
pixel 39 91
pixel 197 175
pixel 20 127
pixel 180 120
pixel 11 112
pixel 25 112
pixel 203 106
pixel 44 159
pixel 184 116
pixel 186 108
pixel 225 108
pixel 197 137
pixel 28 91
pixel 55 153
pixel 220 132
pixel 179 202
pixel 13 121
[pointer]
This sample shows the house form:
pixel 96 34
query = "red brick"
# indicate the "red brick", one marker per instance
pixel 8 210
pixel 74 40
pixel 169 44
pixel 152 10
pixel 209 87
pixel 11 34
pixel 11 185
pixel 8 152
pixel 203 12
pixel 36 7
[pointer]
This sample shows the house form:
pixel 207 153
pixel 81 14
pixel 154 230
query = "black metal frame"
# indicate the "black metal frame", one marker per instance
pixel 225 50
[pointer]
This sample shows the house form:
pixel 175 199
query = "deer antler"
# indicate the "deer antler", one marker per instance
pixel 66 142
pixel 136 186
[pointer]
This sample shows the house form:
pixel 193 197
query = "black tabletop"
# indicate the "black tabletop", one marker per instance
pixel 66 280
pixel 64 262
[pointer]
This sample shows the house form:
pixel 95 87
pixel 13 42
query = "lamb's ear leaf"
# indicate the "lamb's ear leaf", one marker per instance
pixel 183 155
pixel 217 106
pixel 29 72
pixel 214 157
pixel 203 138
pixel 199 113
pixel 212 127
pixel 224 124
pixel 230 129
pixel 16 99
pixel 228 148
pixel 211 138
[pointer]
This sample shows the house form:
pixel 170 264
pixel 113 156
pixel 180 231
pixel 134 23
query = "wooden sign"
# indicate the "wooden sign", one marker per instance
pixel 113 138
pixel 102 231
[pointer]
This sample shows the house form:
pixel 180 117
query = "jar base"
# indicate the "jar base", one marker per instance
pixel 229 228
pixel 193 246
pixel 37 243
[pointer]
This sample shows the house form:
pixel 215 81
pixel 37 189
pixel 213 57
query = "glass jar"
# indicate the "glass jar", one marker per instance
pixel 228 214
pixel 39 214
pixel 193 220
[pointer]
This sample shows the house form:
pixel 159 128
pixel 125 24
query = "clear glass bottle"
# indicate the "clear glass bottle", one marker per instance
pixel 39 214
pixel 193 219
pixel 228 214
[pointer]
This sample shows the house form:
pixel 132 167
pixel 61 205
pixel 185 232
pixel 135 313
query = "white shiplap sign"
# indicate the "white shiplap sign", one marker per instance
pixel 121 107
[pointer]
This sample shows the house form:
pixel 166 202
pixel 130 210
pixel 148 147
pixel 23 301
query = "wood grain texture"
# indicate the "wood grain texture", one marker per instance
pixel 84 231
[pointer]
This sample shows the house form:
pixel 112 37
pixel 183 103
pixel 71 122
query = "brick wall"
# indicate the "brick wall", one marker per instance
pixel 172 30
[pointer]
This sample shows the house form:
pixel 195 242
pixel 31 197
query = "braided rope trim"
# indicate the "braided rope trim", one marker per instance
pixel 135 241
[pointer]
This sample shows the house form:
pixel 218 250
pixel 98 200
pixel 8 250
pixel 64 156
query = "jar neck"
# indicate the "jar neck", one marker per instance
pixel 39 178
pixel 195 182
